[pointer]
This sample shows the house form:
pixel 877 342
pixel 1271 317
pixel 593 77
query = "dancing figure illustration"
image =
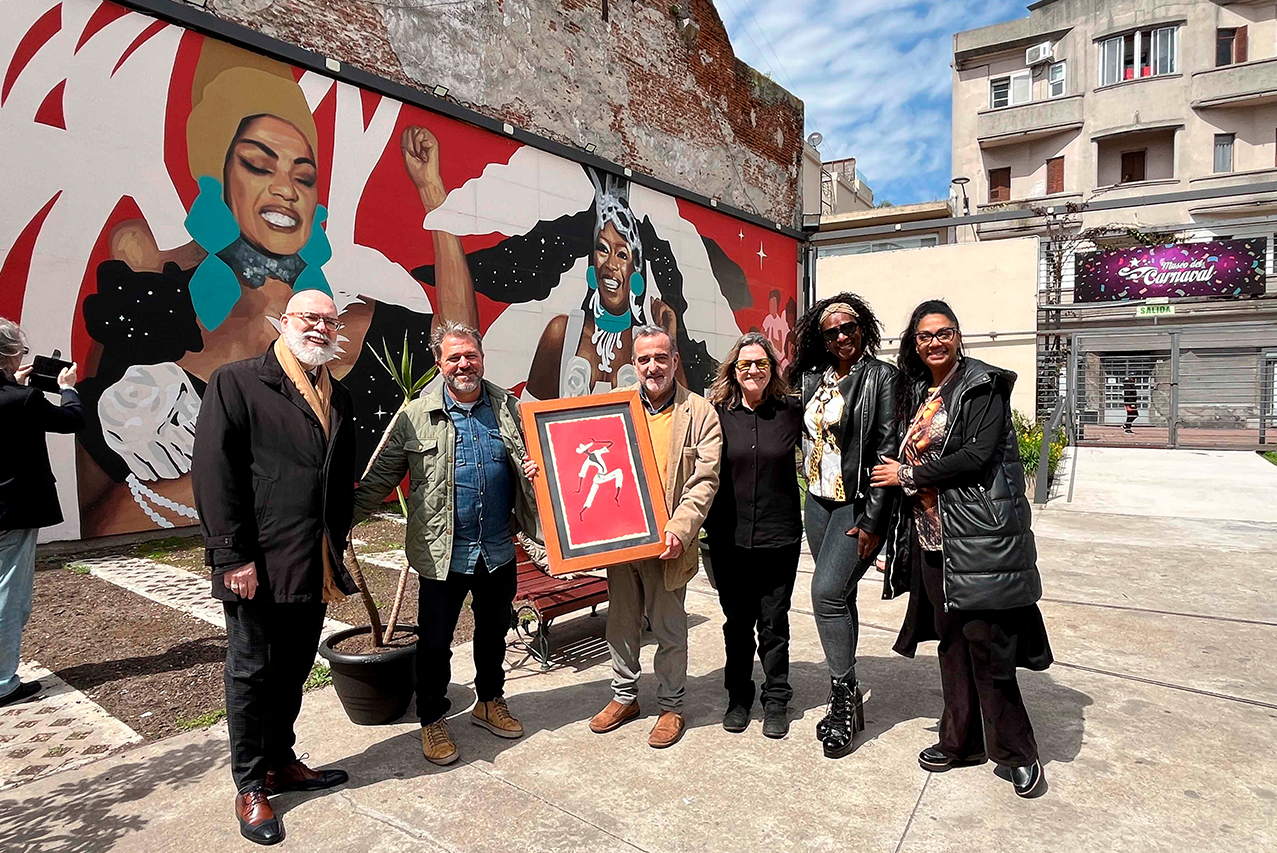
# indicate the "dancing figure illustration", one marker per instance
pixel 593 452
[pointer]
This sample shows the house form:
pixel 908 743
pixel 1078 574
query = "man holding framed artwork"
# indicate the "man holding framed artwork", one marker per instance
pixel 687 442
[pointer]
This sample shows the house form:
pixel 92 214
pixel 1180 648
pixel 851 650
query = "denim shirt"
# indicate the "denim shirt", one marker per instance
pixel 484 496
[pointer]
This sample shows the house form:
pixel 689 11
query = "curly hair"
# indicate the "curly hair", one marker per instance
pixel 726 390
pixel 810 352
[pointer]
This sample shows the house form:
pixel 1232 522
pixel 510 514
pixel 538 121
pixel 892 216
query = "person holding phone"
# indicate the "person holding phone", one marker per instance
pixel 849 422
pixel 28 492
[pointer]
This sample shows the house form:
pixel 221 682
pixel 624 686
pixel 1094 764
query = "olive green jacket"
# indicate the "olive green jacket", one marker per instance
pixel 422 444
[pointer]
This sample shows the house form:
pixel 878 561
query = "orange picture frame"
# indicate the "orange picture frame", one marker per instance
pixel 599 494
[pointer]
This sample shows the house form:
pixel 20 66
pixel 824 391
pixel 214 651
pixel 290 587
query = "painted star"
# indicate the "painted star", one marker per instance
pixel 761 255
pixel 741 235
pixel 379 413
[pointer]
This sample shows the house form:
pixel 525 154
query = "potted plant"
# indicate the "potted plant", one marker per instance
pixel 1029 435
pixel 374 669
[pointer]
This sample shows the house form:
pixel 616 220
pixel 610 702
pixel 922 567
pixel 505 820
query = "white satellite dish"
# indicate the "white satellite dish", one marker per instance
pixel 815 139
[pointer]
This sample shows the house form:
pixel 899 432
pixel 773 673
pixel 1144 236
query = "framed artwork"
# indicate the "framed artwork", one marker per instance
pixel 599 495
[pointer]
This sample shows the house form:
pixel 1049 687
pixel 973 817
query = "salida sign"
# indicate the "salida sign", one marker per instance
pixel 1221 268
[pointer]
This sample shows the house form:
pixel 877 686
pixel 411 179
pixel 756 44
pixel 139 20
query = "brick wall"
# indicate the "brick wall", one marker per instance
pixel 669 100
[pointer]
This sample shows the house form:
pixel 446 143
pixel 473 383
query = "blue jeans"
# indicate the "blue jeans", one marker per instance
pixel 17 580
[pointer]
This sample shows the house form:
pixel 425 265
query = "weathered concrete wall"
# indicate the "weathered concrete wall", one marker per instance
pixel 661 98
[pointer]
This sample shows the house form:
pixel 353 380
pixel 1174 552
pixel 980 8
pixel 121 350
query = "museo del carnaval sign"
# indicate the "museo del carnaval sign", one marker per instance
pixel 1222 268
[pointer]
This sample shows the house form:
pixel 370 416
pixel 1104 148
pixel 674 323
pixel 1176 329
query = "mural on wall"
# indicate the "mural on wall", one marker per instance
pixel 171 191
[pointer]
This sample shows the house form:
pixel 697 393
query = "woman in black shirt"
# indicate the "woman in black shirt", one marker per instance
pixel 755 528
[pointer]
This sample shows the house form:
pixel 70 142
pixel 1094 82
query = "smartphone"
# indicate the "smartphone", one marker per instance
pixel 45 370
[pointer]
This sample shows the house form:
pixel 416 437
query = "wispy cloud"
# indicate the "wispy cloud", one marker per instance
pixel 874 74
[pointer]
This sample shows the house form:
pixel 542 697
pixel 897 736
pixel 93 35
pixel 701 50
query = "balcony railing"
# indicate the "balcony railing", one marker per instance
pixel 1023 122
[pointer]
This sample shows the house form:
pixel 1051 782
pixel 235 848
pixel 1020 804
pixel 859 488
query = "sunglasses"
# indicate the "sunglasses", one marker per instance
pixel 944 336
pixel 831 334
pixel 761 363
pixel 315 319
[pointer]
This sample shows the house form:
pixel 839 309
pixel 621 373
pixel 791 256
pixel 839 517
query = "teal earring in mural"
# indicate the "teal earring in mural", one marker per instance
pixel 637 284
pixel 604 319
pixel 214 287
pixel 315 253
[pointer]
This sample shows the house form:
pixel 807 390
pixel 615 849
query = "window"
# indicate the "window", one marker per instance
pixel 1144 53
pixel 1132 166
pixel 1000 184
pixel 1008 91
pixel 1055 83
pixel 1055 175
pixel 1223 152
pixel 1230 45
pixel 866 247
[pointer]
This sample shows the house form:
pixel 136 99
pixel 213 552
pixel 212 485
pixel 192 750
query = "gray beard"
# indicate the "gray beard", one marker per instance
pixel 454 384
pixel 307 353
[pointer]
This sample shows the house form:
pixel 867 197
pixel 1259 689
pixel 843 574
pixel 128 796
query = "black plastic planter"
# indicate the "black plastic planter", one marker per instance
pixel 375 689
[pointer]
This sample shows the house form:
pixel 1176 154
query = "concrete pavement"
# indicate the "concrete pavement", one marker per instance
pixel 1154 727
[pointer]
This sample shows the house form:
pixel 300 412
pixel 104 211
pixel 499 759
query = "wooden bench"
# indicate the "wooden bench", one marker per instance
pixel 544 599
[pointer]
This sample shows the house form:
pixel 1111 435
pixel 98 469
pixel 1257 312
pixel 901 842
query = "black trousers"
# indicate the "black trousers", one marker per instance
pixel 980 712
pixel 755 586
pixel 270 650
pixel 438 606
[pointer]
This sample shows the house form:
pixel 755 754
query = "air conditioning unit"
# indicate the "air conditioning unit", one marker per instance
pixel 1038 54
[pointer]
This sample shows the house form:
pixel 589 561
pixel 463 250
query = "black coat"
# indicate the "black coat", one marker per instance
pixel 268 488
pixel 868 391
pixel 990 559
pixel 28 489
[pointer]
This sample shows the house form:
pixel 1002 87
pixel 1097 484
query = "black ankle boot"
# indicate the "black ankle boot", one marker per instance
pixel 846 717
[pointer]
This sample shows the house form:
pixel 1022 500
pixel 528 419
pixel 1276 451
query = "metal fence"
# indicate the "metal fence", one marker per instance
pixel 1193 386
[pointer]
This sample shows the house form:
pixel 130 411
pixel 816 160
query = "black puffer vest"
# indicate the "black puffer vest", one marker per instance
pixel 990 558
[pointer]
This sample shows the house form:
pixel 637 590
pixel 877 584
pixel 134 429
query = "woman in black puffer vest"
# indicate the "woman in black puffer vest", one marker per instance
pixel 962 546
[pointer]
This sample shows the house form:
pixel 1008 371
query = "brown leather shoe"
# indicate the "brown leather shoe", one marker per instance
pixel 613 717
pixel 667 731
pixel 298 777
pixel 257 821
pixel 436 743
pixel 495 717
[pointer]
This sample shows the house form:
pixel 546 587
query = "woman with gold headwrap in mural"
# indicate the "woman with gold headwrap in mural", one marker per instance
pixel 163 320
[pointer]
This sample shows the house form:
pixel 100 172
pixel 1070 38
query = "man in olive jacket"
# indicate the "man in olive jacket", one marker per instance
pixel 687 440
pixel 462 447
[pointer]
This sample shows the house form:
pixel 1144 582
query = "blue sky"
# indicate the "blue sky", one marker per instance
pixel 874 76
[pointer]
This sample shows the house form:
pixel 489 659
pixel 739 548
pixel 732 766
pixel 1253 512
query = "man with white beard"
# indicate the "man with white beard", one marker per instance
pixel 461 444
pixel 273 469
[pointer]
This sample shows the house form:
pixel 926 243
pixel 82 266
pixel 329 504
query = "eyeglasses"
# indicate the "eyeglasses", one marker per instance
pixel 831 334
pixel 761 363
pixel 315 319
pixel 944 336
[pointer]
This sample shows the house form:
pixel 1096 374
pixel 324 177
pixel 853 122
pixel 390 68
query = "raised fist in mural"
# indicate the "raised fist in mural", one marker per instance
pixel 664 316
pixel 421 160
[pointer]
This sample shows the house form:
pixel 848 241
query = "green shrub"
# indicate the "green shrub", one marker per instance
pixel 1030 439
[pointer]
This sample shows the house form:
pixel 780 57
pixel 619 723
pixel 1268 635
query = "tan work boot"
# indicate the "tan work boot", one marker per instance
pixel 613 716
pixel 667 731
pixel 495 717
pixel 436 743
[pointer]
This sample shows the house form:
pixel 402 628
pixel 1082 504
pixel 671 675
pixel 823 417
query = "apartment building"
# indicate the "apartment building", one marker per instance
pixel 1091 114
pixel 833 186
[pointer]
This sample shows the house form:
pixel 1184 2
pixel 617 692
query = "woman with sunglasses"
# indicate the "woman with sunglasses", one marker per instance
pixel 848 399
pixel 961 545
pixel 755 528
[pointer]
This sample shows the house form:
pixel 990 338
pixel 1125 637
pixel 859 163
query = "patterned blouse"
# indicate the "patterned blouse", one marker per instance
pixel 822 458
pixel 923 443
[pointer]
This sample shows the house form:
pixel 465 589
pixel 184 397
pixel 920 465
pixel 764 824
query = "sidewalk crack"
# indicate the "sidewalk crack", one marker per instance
pixel 909 824
pixel 394 823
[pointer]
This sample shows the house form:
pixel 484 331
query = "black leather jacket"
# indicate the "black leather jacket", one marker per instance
pixel 990 559
pixel 868 431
